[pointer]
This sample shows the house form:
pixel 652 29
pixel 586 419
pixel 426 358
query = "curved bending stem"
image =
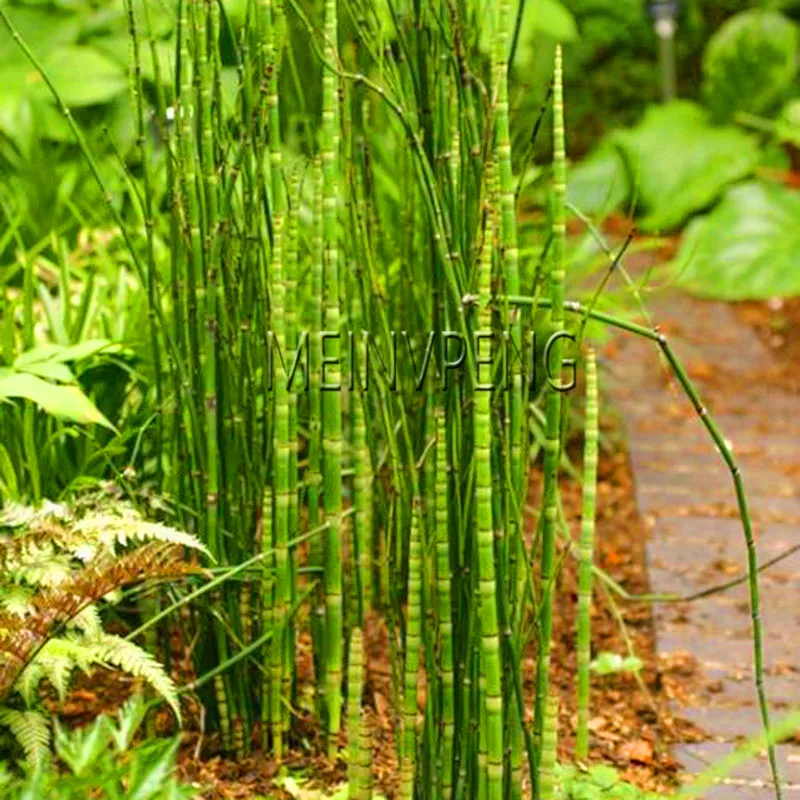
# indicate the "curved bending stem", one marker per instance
pixel 655 335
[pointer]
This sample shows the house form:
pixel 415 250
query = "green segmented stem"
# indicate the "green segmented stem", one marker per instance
pixel 267 602
pixel 444 617
pixel 552 444
pixel 364 759
pixel 282 487
pixel 413 645
pixel 331 400
pixel 583 644
pixel 509 249
pixel 655 335
pixel 490 639
pixel 355 684
pixel 547 758
pixel 223 711
pixel 315 321
pixel 137 89
pixel 362 500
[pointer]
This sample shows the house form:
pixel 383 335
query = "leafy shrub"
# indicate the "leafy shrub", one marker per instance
pixel 101 760
pixel 746 248
pixel 679 164
pixel 56 565
pixel 749 64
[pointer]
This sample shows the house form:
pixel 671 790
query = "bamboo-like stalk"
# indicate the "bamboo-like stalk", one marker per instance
pixel 265 546
pixel 364 760
pixel 444 618
pixel 362 500
pixel 331 401
pixel 583 642
pixel 355 683
pixel 547 759
pixel 490 638
pixel 413 643
pixel 552 445
pixel 283 489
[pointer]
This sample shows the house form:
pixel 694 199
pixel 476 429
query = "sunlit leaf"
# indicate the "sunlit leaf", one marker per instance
pixel 84 76
pixel 67 402
pixel 599 185
pixel 749 63
pixel 748 247
pixel 678 163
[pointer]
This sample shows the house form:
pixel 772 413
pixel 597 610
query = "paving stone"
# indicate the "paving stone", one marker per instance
pixel 697 757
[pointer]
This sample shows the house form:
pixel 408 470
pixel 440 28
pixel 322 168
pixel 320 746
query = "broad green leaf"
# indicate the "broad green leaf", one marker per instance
pixel 747 248
pixel 599 185
pixel 548 17
pixel 678 163
pixel 84 76
pixel 43 352
pixel 42 30
pixel 551 18
pixel 749 63
pixel 86 349
pixel 67 402
pixel 51 371
pixel 788 124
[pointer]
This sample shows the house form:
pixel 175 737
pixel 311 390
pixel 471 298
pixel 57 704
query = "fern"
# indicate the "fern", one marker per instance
pixel 56 565
pixel 32 730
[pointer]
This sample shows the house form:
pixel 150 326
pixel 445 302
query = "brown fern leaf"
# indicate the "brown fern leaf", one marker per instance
pixel 51 608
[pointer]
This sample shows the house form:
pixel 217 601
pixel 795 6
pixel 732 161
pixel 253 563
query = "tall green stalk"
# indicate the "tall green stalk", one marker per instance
pixel 552 444
pixel 355 683
pixel 444 620
pixel 283 488
pixel 490 638
pixel 583 643
pixel 547 759
pixel 413 643
pixel 331 397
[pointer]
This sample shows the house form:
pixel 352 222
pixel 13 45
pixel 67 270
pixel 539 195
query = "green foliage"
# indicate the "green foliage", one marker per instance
pixel 600 183
pixel 599 782
pixel 748 247
pixel 612 664
pixel 102 760
pixel 679 164
pixel 43 377
pixel 749 64
pixel 56 564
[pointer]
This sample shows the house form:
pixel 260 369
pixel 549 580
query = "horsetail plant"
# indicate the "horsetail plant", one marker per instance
pixel 552 444
pixel 355 683
pixel 490 656
pixel 331 401
pixel 413 143
pixel 586 555
pixel 549 751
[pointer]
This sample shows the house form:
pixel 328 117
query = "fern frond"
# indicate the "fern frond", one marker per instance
pixel 31 729
pixel 129 657
pixel 52 608
pixel 128 528
pixel 15 599
pixel 55 662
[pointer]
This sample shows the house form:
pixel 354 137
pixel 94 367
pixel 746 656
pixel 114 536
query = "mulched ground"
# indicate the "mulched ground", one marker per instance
pixel 777 322
pixel 631 727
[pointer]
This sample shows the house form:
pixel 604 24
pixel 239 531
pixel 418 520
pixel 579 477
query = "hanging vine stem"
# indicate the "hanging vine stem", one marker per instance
pixel 655 335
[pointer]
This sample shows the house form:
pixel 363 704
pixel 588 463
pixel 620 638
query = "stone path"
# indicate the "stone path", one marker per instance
pixel 686 496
